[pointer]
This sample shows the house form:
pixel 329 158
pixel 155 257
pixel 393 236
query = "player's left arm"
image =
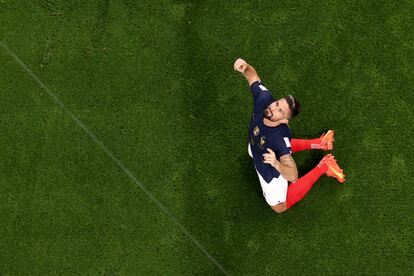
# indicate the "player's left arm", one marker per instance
pixel 247 70
pixel 285 165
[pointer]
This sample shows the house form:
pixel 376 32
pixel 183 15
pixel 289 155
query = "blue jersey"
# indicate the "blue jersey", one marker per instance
pixel 262 137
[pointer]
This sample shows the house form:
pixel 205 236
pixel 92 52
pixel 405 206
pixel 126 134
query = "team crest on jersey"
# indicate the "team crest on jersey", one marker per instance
pixel 256 131
pixel 262 140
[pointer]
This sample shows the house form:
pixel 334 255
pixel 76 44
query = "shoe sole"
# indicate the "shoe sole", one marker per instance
pixel 326 134
pixel 339 176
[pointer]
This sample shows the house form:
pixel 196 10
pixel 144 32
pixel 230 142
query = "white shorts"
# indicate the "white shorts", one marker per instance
pixel 274 192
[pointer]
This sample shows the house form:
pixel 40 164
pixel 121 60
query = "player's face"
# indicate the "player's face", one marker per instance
pixel 278 110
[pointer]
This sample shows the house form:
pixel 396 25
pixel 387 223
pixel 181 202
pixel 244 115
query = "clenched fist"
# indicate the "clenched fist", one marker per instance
pixel 240 65
pixel 270 158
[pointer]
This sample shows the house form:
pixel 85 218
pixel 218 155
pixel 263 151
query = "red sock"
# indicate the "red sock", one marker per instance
pixel 298 190
pixel 304 144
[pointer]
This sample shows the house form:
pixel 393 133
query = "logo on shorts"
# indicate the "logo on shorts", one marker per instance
pixel 256 131
pixel 262 140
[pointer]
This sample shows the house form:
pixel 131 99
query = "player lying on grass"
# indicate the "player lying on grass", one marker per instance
pixel 271 146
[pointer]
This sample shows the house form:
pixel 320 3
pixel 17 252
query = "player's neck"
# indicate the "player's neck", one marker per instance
pixel 269 123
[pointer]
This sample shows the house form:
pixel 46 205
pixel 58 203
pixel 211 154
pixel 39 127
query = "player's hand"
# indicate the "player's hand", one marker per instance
pixel 270 158
pixel 240 65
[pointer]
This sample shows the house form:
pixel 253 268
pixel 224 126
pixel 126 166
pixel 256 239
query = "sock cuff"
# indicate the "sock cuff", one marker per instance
pixel 315 143
pixel 323 168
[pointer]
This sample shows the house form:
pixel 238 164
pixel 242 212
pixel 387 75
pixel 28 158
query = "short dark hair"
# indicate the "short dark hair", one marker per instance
pixel 294 105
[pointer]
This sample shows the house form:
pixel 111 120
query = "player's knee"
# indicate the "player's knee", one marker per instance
pixel 279 208
pixel 279 211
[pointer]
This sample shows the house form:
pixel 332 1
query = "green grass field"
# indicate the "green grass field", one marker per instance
pixel 153 80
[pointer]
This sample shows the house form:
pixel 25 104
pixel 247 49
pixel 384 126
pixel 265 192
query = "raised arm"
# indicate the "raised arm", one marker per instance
pixel 247 70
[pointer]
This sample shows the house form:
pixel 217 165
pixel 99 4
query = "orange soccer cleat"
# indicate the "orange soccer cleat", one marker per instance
pixel 333 168
pixel 327 140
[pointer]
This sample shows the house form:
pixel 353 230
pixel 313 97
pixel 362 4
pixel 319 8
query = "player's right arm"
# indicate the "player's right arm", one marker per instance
pixel 247 70
pixel 287 167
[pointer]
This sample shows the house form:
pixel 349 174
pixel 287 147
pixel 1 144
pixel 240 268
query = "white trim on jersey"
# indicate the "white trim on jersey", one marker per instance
pixel 262 87
pixel 287 142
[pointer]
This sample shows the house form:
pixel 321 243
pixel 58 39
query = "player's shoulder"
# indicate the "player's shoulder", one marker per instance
pixel 280 134
pixel 283 130
pixel 286 130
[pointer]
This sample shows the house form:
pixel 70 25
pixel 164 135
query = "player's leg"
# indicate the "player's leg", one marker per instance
pixel 297 190
pixel 325 142
pixel 279 208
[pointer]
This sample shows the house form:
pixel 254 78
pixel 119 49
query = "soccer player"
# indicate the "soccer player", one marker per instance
pixel 271 146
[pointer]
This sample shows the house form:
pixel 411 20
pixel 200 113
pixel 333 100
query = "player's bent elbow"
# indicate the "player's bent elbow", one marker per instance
pixel 294 177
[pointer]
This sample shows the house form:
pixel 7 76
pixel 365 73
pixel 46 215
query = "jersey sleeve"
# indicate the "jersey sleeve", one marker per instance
pixel 257 88
pixel 282 146
pixel 261 96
